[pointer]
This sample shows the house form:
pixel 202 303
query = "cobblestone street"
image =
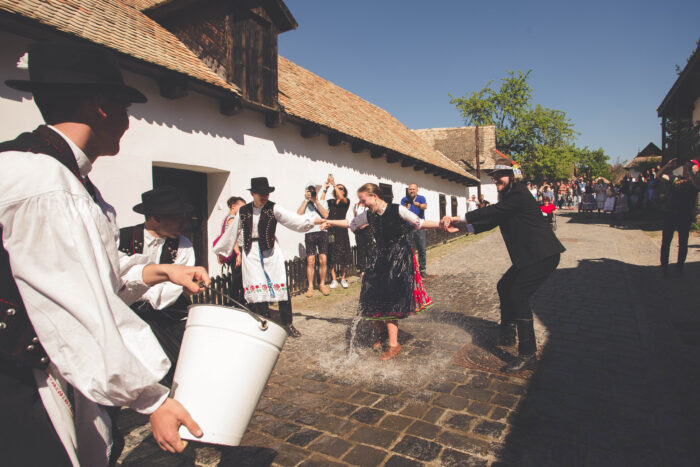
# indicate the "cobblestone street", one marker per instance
pixel 616 383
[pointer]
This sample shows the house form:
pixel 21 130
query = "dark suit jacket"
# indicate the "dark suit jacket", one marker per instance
pixel 528 237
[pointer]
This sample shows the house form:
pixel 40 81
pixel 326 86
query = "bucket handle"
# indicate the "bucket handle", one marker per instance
pixel 257 317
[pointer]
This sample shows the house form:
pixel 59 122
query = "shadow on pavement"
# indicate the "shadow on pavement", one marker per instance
pixel 617 381
pixel 649 220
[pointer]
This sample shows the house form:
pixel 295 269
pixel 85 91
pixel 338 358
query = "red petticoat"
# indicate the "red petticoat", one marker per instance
pixel 422 300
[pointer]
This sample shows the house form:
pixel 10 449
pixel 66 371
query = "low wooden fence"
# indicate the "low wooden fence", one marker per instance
pixel 228 283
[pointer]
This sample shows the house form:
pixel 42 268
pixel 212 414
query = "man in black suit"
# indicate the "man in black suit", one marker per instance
pixel 533 249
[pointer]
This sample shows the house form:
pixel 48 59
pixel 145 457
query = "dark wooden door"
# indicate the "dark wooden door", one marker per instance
pixel 192 186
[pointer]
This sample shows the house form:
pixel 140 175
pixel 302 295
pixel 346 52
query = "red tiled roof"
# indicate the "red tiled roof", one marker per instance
pixel 312 98
pixel 118 26
pixel 145 4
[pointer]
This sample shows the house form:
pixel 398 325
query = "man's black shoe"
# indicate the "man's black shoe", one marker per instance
pixel 292 331
pixel 522 363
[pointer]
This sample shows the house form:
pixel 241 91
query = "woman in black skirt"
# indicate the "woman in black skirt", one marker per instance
pixel 339 241
pixel 392 288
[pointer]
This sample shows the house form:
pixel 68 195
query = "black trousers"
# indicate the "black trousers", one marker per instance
pixel 515 289
pixel 673 223
pixel 168 326
pixel 27 436
pixel 282 316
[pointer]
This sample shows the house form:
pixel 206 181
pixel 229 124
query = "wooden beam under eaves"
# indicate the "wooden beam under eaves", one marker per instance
pixel 275 118
pixel 406 162
pixel 310 130
pixel 358 146
pixel 376 153
pixel 335 138
pixel 419 166
pixel 173 86
pixel 392 157
pixel 230 106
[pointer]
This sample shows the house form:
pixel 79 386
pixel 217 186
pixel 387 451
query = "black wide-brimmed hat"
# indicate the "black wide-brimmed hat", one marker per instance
pixel 260 186
pixel 162 200
pixel 504 164
pixel 54 65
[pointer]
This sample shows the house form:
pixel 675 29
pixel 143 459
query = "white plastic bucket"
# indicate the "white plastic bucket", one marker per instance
pixel 225 361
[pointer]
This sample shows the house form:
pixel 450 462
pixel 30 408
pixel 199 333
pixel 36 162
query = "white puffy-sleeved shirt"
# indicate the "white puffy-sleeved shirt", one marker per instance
pixel 289 219
pixel 64 258
pixel 163 295
pixel 360 220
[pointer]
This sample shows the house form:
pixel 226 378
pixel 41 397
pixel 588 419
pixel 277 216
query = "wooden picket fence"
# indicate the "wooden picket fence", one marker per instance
pixel 226 283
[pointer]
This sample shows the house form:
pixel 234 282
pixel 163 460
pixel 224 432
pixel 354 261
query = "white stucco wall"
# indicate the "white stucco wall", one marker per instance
pixel 488 189
pixel 190 133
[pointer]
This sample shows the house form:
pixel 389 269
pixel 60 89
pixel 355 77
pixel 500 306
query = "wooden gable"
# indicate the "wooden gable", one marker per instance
pixel 236 39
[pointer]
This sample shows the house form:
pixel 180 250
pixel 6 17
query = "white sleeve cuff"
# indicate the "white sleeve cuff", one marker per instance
pixel 150 399
pixel 133 286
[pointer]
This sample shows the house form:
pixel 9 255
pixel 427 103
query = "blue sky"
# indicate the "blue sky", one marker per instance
pixel 607 64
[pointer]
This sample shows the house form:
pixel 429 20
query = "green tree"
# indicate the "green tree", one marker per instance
pixel 590 163
pixel 539 138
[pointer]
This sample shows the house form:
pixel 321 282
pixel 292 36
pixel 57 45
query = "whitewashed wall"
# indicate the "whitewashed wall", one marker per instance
pixel 190 133
pixel 488 189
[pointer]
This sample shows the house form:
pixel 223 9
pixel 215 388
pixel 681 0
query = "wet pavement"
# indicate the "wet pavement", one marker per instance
pixel 616 383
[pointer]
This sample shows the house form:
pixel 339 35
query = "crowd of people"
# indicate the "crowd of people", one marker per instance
pixel 598 195
pixel 327 246
pixel 91 315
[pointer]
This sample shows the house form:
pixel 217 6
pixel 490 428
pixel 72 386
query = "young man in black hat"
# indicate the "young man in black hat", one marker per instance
pixel 159 239
pixel 69 346
pixel 533 249
pixel 264 272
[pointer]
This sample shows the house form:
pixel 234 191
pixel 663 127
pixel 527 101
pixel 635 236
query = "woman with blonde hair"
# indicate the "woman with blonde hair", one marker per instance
pixel 392 288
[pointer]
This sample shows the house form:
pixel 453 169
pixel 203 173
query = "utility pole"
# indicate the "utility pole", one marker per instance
pixel 478 163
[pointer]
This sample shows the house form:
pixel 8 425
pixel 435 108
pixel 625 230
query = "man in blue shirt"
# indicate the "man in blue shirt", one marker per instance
pixel 417 205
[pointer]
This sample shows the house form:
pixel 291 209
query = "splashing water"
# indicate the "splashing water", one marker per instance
pixel 353 334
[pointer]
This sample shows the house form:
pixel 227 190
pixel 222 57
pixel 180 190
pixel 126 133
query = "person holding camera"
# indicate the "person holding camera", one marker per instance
pixel 681 199
pixel 339 241
pixel 315 240
pixel 417 205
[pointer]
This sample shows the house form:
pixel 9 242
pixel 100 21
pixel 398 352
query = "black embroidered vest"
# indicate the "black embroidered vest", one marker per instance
pixel 266 226
pixel 18 340
pixel 131 242
pixel 389 227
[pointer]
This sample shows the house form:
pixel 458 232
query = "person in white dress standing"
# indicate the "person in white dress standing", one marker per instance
pixel 264 273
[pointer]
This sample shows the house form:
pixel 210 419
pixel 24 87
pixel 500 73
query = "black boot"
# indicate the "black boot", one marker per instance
pixel 291 330
pixel 522 363
pixel 527 348
pixel 506 335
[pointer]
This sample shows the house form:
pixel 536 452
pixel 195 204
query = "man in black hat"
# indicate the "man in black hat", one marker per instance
pixel 264 272
pixel 159 239
pixel 679 209
pixel 533 249
pixel 69 345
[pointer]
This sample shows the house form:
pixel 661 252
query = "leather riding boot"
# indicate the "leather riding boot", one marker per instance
pixel 522 363
pixel 527 348
pixel 506 335
pixel 526 337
